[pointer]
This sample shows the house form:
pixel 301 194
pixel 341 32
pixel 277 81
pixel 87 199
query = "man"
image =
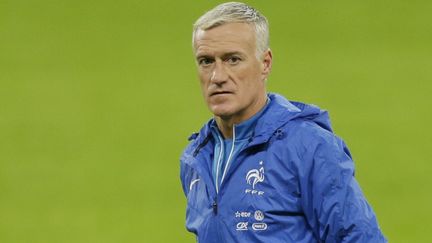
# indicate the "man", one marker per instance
pixel 264 169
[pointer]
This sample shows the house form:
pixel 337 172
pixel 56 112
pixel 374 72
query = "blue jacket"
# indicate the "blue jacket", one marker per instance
pixel 292 182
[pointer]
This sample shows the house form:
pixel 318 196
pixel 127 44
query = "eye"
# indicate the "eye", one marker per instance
pixel 234 60
pixel 205 61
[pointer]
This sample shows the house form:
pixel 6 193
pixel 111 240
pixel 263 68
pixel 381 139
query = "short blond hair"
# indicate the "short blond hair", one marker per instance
pixel 236 12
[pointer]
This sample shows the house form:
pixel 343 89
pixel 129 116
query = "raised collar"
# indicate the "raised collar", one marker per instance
pixel 243 130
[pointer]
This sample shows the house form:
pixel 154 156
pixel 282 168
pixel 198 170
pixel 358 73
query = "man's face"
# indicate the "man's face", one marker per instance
pixel 232 77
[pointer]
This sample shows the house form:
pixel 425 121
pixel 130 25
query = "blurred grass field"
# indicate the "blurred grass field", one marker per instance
pixel 97 99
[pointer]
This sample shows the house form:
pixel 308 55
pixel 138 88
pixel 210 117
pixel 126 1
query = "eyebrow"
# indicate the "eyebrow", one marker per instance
pixel 234 53
pixel 225 55
pixel 203 56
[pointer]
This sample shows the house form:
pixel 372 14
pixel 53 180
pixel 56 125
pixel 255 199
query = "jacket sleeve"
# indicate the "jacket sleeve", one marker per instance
pixel 333 202
pixel 184 178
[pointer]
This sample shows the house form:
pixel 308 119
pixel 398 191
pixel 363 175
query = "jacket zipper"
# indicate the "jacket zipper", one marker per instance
pixel 215 206
pixel 230 155
pixel 218 163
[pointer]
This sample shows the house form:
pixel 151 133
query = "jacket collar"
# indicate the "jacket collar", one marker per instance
pixel 278 112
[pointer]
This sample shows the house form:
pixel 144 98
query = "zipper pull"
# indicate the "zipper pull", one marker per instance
pixel 215 207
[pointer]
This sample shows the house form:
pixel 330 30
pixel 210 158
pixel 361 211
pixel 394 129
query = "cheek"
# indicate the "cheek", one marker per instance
pixel 202 79
pixel 250 82
pixel 204 83
pixel 250 74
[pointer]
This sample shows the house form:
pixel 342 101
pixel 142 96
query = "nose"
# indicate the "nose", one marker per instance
pixel 219 74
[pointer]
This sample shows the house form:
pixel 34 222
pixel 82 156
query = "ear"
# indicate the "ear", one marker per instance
pixel 267 62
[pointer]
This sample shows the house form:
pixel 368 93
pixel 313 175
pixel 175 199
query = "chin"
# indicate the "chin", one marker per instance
pixel 221 111
pixel 222 114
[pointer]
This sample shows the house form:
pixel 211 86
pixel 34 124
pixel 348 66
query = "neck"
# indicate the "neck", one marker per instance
pixel 226 123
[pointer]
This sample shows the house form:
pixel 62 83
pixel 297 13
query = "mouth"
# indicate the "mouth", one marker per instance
pixel 220 93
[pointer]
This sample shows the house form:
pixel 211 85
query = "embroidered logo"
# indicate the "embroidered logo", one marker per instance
pixel 259 215
pixel 242 214
pixel 193 183
pixel 259 226
pixel 242 226
pixel 254 177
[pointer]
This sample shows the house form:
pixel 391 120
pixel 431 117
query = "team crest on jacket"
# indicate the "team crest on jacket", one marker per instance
pixel 253 177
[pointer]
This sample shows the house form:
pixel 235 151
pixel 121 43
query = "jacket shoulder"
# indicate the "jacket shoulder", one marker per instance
pixel 308 132
pixel 190 147
pixel 306 138
pixel 197 138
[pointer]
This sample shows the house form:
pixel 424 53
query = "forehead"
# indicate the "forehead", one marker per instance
pixel 232 37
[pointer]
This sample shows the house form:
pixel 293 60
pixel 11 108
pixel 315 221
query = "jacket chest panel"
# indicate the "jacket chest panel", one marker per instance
pixel 258 189
pixel 199 197
pixel 261 182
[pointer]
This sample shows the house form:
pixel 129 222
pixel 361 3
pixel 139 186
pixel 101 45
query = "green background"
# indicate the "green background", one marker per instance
pixel 97 99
